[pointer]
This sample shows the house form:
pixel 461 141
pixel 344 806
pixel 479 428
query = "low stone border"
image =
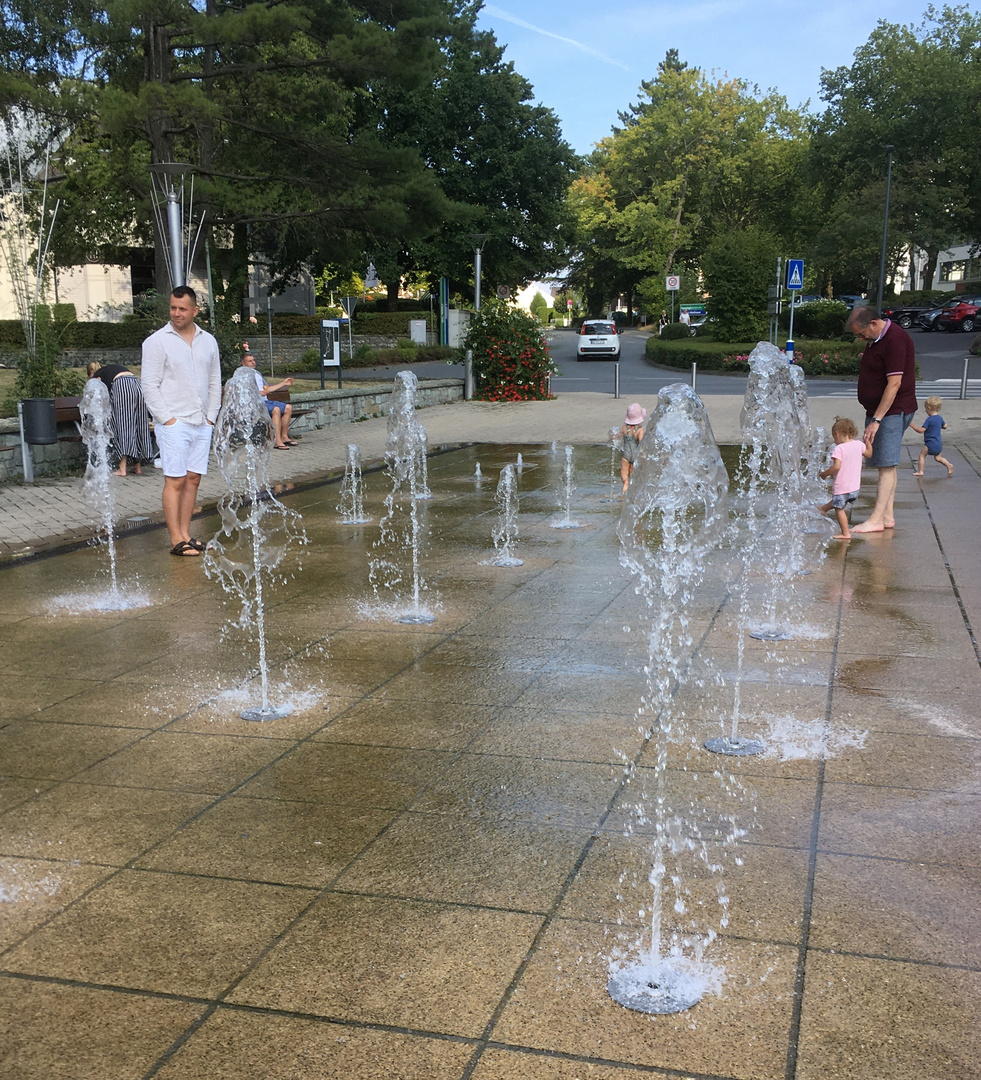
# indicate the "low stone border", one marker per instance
pixel 324 407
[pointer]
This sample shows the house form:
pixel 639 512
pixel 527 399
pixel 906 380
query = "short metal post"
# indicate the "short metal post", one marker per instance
pixel 25 450
pixel 694 368
pixel 616 380
pixel 468 375
pixel 967 361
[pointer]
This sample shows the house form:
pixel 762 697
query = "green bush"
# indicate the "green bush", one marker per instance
pixel 511 361
pixel 718 356
pixel 738 266
pixel 405 343
pixel 675 331
pixel 539 307
pixel 823 319
pixel 390 323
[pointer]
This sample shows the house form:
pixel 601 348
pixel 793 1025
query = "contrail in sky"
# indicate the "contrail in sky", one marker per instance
pixel 498 13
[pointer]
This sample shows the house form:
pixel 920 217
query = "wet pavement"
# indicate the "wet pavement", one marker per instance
pixel 425 870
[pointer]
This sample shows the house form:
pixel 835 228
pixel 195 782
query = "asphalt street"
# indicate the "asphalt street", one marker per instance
pixel 940 357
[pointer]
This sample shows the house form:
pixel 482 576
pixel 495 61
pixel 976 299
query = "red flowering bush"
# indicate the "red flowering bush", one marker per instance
pixel 511 361
pixel 822 363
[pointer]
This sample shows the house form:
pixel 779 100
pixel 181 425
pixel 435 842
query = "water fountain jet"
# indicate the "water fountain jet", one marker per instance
pixel 256 527
pixel 674 516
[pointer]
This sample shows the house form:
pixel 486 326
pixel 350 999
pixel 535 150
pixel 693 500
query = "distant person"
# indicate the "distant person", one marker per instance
pixel 846 468
pixel 662 322
pixel 131 440
pixel 932 439
pixel 182 387
pixel 887 392
pixel 684 318
pixel 631 434
pixel 280 413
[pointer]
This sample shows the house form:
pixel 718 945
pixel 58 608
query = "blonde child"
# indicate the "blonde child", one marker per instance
pixel 846 468
pixel 933 443
pixel 630 435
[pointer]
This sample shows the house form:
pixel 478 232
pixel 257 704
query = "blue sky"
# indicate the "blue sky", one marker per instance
pixel 586 61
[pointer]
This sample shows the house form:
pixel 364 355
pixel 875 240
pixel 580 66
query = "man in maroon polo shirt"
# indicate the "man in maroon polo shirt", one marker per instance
pixel 887 392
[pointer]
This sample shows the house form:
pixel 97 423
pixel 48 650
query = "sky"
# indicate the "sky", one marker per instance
pixel 586 61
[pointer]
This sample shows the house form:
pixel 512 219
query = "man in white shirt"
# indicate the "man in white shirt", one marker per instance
pixel 181 380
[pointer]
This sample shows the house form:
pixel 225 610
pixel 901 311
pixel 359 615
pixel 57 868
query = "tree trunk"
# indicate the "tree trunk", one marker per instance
pixel 929 268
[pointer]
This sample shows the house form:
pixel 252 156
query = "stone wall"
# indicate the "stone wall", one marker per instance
pixel 325 407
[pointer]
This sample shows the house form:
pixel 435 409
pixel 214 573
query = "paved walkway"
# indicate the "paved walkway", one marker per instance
pixel 53 512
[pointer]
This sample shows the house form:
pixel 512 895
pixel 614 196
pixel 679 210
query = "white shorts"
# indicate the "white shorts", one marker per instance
pixel 184 447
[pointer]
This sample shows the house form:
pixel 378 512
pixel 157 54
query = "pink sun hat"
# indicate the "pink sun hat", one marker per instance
pixel 635 415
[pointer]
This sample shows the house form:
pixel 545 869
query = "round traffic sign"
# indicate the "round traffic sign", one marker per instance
pixel 672 282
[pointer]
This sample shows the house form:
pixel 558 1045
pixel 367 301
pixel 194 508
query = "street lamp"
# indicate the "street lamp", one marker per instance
pixel 885 231
pixel 172 214
pixel 478 240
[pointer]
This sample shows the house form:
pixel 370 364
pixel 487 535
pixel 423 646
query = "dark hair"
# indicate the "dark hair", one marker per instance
pixel 180 291
pixel 862 315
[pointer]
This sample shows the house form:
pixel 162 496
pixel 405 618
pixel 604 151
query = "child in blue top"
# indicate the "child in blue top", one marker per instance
pixel 933 442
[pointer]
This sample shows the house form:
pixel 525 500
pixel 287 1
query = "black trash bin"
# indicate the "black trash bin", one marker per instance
pixel 40 426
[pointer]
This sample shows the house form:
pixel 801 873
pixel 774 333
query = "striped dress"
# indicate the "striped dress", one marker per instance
pixel 130 419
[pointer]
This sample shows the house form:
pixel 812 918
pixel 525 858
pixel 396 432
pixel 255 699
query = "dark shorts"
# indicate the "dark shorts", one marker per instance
pixel 888 441
pixel 839 502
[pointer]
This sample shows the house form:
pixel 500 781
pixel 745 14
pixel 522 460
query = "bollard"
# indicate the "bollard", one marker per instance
pixel 967 361
pixel 616 380
pixel 468 375
pixel 25 450
pixel 694 366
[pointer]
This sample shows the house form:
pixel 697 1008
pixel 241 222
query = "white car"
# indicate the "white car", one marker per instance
pixel 598 340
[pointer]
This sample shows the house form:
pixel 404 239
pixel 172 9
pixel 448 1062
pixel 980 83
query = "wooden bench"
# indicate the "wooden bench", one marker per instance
pixel 283 397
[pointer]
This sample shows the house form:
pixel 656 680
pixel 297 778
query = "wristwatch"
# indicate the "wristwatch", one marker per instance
pixel 875 420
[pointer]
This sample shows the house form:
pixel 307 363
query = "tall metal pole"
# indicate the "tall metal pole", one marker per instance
pixel 476 284
pixel 885 232
pixel 176 244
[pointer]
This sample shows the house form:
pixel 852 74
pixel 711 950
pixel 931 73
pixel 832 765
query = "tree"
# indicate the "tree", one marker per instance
pixel 917 89
pixel 696 157
pixel 261 98
pixel 738 267
pixel 500 160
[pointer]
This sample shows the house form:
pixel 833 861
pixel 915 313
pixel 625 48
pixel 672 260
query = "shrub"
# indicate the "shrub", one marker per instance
pixel 511 361
pixel 820 319
pixel 406 343
pixel 539 307
pixel 738 267
pixel 675 331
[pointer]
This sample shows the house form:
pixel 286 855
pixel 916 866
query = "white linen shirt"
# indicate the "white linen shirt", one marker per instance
pixel 179 380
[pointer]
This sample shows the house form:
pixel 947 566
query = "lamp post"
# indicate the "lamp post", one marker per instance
pixel 885 231
pixel 478 242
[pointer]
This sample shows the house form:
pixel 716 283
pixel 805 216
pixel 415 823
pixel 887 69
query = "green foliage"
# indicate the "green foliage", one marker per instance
pixel 833 362
pixel 675 332
pixel 697 157
pixel 539 307
pixel 406 344
pixel 511 361
pixel 820 319
pixel 390 323
pixel 712 356
pixel 738 268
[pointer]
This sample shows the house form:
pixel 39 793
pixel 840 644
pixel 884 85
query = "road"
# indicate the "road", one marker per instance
pixel 940 357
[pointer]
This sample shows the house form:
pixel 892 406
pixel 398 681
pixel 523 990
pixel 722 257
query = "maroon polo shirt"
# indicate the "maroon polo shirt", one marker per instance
pixel 892 354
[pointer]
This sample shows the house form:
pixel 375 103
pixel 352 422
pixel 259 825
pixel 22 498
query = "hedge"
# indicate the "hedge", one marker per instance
pixel 711 355
pixel 381 323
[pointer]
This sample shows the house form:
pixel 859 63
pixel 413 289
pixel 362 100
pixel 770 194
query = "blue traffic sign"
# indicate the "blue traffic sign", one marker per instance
pixel 795 273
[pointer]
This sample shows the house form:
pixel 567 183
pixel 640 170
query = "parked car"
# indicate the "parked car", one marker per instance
pixel 960 315
pixel 905 316
pixel 850 299
pixel 598 340
pixel 928 320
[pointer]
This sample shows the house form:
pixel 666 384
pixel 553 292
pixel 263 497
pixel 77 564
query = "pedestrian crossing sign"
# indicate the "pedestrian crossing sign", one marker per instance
pixel 795 273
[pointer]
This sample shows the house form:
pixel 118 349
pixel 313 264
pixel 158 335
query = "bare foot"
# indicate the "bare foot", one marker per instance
pixel 868 527
pixel 889 524
pixel 138 471
pixel 842 536
pixel 950 471
pixel 917 474
pixel 116 472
